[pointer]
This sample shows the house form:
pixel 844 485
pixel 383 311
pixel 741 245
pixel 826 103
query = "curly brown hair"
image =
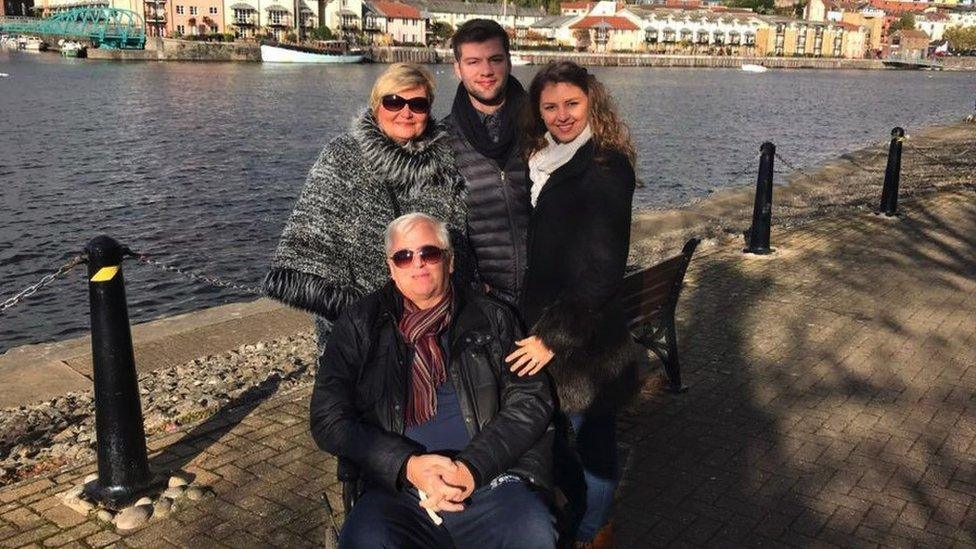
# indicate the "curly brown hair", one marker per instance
pixel 610 133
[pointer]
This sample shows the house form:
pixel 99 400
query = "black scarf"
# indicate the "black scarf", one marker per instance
pixel 467 119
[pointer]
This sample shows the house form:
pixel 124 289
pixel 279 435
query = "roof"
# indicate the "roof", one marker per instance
pixel 847 26
pixel 615 23
pixel 911 34
pixel 475 8
pixel 576 5
pixel 395 10
pixel 553 21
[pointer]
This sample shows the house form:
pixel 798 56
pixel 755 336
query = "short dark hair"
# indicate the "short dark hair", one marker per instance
pixel 478 31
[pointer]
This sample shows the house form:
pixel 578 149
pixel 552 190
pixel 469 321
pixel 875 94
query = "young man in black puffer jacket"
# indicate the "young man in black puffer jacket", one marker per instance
pixel 484 136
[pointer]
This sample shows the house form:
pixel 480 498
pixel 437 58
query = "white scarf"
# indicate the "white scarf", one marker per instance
pixel 545 161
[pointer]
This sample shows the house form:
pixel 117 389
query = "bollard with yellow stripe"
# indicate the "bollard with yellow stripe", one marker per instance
pixel 105 274
pixel 123 465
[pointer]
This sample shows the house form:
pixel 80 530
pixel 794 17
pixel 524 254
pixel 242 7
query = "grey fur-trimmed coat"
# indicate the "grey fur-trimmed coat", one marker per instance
pixel 331 250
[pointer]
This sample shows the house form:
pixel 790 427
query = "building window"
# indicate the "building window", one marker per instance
pixel 818 41
pixel 734 38
pixel 275 17
pixel 213 10
pixel 838 44
pixel 651 36
pixel 669 36
pixel 180 29
pixel 180 10
pixel 750 38
pixel 193 10
pixel 213 29
pixel 801 41
pixel 703 37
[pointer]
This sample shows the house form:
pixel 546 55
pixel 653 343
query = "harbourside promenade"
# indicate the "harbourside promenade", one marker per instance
pixel 831 404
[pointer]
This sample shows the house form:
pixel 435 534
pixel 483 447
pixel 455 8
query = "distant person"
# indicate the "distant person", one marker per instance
pixel 454 449
pixel 394 159
pixel 581 166
pixel 485 138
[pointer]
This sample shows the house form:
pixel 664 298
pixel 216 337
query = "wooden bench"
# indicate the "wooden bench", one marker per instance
pixel 649 298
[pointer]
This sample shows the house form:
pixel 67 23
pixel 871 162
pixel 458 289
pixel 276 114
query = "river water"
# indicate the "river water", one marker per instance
pixel 199 164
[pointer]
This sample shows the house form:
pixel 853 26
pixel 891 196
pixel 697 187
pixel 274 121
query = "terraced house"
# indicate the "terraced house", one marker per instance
pixel 394 24
pixel 784 37
pixel 699 32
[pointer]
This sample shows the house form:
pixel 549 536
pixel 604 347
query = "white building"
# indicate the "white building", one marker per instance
pixel 962 18
pixel 933 24
pixel 456 13
pixel 394 23
pixel 344 17
pixel 666 29
pixel 247 18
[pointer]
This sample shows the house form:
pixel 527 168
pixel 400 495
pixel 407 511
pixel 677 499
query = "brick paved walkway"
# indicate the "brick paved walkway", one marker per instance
pixel 832 404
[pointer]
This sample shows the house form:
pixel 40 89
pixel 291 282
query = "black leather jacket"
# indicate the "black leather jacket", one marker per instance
pixel 362 385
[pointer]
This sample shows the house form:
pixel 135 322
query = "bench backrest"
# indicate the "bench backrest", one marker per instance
pixel 651 292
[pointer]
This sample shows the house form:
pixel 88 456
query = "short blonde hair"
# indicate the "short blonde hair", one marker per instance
pixel 398 77
pixel 405 223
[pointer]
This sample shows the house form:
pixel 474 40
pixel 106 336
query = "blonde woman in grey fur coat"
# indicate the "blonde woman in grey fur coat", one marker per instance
pixel 395 159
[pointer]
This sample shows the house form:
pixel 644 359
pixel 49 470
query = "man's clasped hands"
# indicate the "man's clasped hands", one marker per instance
pixel 446 483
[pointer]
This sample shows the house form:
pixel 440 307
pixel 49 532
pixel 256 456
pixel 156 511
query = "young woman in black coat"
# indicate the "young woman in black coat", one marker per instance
pixel 581 166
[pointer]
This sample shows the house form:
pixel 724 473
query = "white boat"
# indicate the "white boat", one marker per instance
pixel 31 44
pixel 519 61
pixel 749 67
pixel 70 48
pixel 298 54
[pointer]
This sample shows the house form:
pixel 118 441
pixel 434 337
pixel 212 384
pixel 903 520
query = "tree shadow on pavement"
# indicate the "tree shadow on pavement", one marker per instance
pixel 831 397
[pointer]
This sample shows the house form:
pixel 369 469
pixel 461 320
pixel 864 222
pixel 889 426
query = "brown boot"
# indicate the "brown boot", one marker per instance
pixel 603 538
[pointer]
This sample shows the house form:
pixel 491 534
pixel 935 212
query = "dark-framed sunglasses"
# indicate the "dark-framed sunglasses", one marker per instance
pixel 429 255
pixel 418 105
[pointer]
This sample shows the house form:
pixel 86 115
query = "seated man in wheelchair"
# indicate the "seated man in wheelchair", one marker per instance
pixel 452 448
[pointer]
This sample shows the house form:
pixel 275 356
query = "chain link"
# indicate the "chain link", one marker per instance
pixel 196 277
pixel 45 280
pixel 795 168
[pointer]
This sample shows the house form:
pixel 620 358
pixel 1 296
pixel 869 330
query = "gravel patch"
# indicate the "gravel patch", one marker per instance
pixel 45 436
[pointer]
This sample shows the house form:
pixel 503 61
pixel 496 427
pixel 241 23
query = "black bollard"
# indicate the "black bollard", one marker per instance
pixel 889 194
pixel 123 466
pixel 762 211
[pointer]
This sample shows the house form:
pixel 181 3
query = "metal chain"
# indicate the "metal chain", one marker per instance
pixel 794 168
pixel 45 280
pixel 196 277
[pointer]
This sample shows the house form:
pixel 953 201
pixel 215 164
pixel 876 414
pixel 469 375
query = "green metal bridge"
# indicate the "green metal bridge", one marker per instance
pixel 103 27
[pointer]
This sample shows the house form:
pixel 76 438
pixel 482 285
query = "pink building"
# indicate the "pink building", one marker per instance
pixel 195 17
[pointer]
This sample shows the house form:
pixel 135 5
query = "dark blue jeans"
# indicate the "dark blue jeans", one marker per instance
pixel 504 514
pixel 596 444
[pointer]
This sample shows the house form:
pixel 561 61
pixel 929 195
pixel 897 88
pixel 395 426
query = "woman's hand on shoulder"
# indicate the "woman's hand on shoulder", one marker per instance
pixel 530 357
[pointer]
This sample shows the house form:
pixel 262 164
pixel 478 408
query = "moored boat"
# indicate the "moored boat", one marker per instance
pixel 290 53
pixel 749 67
pixel 70 48
pixel 30 43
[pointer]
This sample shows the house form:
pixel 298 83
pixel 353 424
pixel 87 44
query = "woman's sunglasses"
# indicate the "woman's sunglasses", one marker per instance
pixel 429 255
pixel 418 105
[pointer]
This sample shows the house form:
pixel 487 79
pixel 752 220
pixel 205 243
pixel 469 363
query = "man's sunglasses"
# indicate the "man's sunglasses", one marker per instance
pixel 429 255
pixel 418 105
